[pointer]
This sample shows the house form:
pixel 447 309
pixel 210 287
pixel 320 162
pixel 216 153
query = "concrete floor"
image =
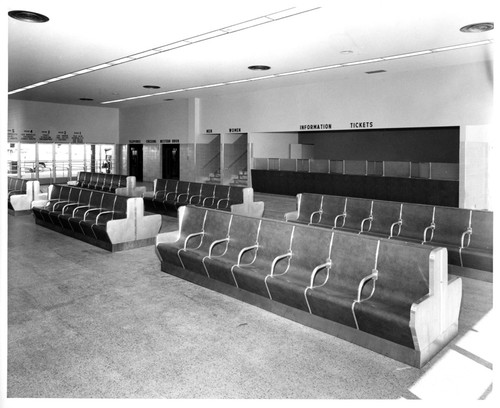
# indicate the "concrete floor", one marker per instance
pixel 87 323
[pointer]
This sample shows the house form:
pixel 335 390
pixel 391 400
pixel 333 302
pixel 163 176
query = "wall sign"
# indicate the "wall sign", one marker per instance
pixel 234 130
pixel 175 140
pixel 151 141
pixel 164 140
pixel 77 137
pixel 208 131
pixel 320 126
pixel 358 125
pixel 134 141
pixel 28 136
pixel 45 136
pixel 62 136
pixel 12 136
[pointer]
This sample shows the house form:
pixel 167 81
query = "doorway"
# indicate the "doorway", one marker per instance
pixel 135 161
pixel 170 161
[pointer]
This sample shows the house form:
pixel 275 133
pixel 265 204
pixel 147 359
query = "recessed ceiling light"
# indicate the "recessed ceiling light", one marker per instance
pixel 86 99
pixel 346 52
pixel 477 28
pixel 259 67
pixel 151 86
pixel 28 16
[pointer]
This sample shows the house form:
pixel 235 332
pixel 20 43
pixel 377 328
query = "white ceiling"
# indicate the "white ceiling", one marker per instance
pixel 84 34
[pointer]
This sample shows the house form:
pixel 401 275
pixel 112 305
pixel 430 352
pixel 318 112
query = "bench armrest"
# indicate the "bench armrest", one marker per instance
pixel 373 276
pixel 216 242
pixel 369 219
pixel 208 198
pixel 101 213
pixel 318 268
pixel 398 223
pixel 277 259
pixel 90 210
pixel 320 212
pixel 243 251
pixel 68 206
pixel 222 200
pixel 196 234
pixel 431 228
pixel 466 234
pixel 198 196
pixel 181 196
pixel 343 215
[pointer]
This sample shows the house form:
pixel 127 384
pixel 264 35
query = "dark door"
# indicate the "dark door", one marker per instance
pixel 170 161
pixel 135 161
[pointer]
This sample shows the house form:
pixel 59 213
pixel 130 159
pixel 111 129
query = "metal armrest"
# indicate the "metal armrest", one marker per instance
pixel 167 194
pixel 467 234
pixel 208 198
pixel 101 213
pixel 244 250
pixel 328 265
pixel 370 219
pixel 343 215
pixel 430 227
pixel 373 276
pixel 320 212
pixel 68 206
pixel 398 223
pixel 216 243
pixel 198 196
pixel 277 259
pixel 78 208
pixel 179 196
pixel 90 210
pixel 155 195
pixel 222 199
pixel 191 236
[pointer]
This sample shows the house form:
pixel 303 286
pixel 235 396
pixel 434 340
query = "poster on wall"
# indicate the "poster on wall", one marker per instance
pixel 12 136
pixel 28 135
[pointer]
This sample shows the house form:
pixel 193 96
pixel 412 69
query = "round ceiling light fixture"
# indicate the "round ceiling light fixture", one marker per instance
pixel 259 67
pixel 151 86
pixel 28 16
pixel 477 28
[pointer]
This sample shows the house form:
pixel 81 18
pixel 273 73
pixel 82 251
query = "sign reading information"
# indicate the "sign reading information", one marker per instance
pixel 318 126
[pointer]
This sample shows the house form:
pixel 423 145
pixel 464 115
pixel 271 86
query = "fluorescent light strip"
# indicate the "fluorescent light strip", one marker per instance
pixel 192 40
pixel 239 81
pixel 456 47
pixel 410 54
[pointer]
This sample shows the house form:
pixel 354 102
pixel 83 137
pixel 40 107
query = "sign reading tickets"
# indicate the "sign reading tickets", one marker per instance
pixel 357 125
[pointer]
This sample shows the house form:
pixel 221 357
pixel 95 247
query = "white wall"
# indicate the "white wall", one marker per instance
pixel 97 125
pixel 169 120
pixel 457 95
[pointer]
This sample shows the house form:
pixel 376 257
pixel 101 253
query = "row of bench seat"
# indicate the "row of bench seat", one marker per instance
pixel 21 194
pixel 101 181
pixel 168 195
pixel 107 220
pixel 392 297
pixel 467 234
